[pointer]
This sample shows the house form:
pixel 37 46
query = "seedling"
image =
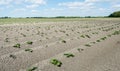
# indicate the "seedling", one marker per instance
pixel 32 69
pixel 98 40
pixel 29 50
pixel 87 36
pixel 17 45
pixel 30 42
pixel 68 55
pixel 103 38
pixel 109 35
pixel 63 41
pixel 79 49
pixel 82 36
pixel 93 42
pixel 56 62
pixel 6 39
pixel 88 45
pixel 12 56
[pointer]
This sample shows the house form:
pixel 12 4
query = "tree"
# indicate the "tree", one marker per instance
pixel 115 14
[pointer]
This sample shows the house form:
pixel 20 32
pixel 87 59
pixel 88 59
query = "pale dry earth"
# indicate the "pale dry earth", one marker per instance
pixel 47 37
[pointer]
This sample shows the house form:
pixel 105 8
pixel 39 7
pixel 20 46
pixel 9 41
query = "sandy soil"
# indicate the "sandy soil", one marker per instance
pixel 100 54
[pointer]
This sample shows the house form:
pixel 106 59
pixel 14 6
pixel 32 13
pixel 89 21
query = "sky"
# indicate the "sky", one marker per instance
pixel 52 8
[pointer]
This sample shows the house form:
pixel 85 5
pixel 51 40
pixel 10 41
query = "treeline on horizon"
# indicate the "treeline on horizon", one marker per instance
pixel 6 17
pixel 114 14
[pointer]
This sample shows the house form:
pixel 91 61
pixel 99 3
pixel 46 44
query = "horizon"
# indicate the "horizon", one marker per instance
pixel 50 8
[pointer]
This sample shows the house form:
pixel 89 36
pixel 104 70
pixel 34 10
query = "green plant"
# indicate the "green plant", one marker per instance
pixel 17 45
pixel 30 42
pixel 88 45
pixel 82 36
pixel 56 62
pixel 32 69
pixel 30 50
pixel 12 56
pixel 98 40
pixel 6 39
pixel 103 38
pixel 79 49
pixel 93 42
pixel 63 41
pixel 69 55
pixel 87 36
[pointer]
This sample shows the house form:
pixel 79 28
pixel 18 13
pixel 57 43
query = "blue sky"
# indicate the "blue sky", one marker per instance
pixel 51 8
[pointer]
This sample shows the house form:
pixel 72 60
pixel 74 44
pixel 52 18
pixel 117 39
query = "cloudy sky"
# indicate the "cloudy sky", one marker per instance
pixel 23 8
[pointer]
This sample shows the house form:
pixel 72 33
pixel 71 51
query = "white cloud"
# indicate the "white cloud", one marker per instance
pixel 54 9
pixel 3 2
pixel 32 6
pixel 36 1
pixel 116 6
pixel 34 11
pixel 19 10
pixel 80 5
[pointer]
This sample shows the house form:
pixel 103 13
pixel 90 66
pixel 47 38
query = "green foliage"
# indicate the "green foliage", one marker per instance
pixel 98 40
pixel 82 36
pixel 32 69
pixel 56 62
pixel 88 45
pixel 63 41
pixel 68 55
pixel 116 32
pixel 103 38
pixel 17 45
pixel 29 50
pixel 30 42
pixel 79 49
pixel 87 36
pixel 115 14
pixel 12 56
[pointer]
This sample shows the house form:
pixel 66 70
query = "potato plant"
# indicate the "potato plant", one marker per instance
pixel 29 50
pixel 30 42
pixel 88 45
pixel 68 55
pixel 56 62
pixel 32 69
pixel 17 45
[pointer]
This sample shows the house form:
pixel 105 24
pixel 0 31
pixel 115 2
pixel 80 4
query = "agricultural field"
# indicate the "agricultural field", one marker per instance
pixel 60 44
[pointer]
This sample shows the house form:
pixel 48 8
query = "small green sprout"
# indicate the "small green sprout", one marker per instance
pixel 32 69
pixel 63 41
pixel 98 40
pixel 17 45
pixel 82 36
pixel 56 62
pixel 68 55
pixel 12 56
pixel 87 36
pixel 88 45
pixel 30 42
pixel 103 38
pixel 30 50
pixel 79 49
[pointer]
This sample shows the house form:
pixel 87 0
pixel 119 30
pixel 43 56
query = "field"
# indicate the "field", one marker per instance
pixel 60 44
